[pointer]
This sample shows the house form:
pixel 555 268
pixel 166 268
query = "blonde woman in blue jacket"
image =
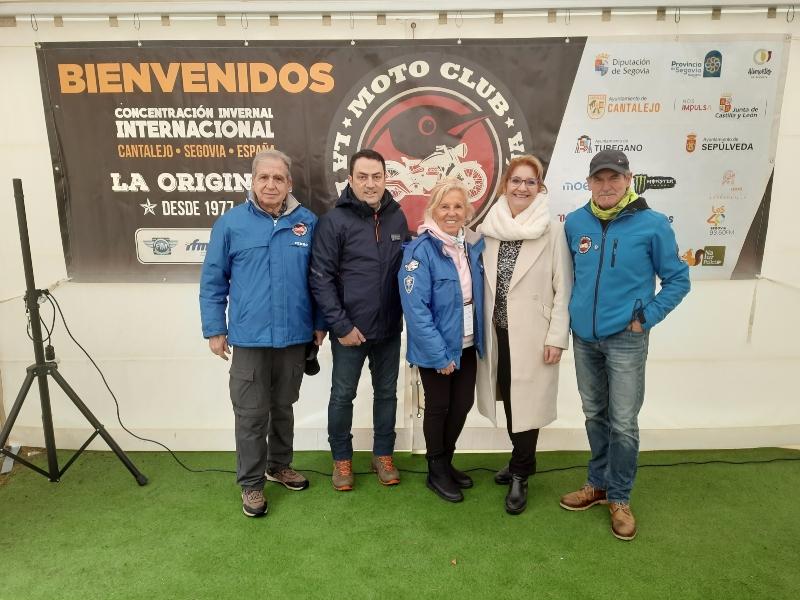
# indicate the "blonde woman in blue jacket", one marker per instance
pixel 441 289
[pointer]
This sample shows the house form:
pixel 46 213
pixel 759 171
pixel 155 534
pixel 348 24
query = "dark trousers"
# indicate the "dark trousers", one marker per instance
pixel 264 384
pixel 448 399
pixel 523 455
pixel 384 365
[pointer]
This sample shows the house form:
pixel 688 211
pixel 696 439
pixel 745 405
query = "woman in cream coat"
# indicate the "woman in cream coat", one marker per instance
pixel 528 281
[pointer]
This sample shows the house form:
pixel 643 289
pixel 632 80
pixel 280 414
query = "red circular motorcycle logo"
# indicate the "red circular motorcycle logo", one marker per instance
pixel 447 118
pixel 427 135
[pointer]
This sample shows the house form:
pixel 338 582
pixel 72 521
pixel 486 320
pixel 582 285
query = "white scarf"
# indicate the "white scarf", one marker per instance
pixel 530 224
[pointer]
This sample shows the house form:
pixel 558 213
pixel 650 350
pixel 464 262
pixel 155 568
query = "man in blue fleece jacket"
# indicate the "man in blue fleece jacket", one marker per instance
pixel 619 246
pixel 256 267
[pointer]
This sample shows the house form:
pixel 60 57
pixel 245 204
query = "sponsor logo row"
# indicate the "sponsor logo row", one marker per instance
pixel 188 246
pixel 640 182
pixel 171 246
pixel 725 107
pixel 585 144
pixel 700 66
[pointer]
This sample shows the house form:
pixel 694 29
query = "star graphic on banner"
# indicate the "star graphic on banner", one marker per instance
pixel 149 207
pixel 346 122
pixel 509 122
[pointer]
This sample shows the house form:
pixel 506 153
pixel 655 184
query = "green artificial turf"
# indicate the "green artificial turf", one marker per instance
pixel 705 531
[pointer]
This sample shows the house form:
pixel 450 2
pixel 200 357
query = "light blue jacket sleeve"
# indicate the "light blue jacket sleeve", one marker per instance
pixel 426 346
pixel 671 270
pixel 215 282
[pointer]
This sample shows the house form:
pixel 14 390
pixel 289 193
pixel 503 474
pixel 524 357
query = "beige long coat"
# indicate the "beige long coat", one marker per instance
pixel 538 315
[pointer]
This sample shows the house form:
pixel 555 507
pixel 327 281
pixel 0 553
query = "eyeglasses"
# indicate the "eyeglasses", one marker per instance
pixel 518 181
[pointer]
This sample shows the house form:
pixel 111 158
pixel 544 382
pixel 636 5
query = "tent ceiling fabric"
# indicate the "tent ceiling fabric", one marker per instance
pixel 13 7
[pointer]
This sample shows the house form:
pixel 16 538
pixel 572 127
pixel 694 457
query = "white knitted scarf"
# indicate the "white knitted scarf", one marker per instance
pixel 530 224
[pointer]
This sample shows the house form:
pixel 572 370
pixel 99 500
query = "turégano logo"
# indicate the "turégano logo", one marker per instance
pixel 430 116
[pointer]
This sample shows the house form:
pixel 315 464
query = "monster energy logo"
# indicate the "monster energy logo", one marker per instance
pixel 642 182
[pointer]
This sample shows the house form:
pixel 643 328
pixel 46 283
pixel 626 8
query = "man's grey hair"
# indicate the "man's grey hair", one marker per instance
pixel 275 155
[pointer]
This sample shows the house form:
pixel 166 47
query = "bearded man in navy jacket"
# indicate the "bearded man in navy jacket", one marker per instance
pixel 619 246
pixel 256 267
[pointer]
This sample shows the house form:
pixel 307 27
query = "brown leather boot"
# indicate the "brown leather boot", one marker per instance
pixel 584 498
pixel 623 524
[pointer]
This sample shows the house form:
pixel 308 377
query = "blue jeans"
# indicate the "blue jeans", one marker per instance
pixel 384 365
pixel 611 384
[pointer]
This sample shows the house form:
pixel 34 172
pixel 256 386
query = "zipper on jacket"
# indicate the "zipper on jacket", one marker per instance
pixel 597 282
pixel 614 252
pixel 600 267
pixel 377 228
pixel 459 293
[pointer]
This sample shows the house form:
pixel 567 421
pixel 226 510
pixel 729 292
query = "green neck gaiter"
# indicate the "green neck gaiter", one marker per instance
pixel 608 214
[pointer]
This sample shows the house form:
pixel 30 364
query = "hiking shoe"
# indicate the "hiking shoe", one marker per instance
pixel 584 498
pixel 623 524
pixel 254 504
pixel 384 467
pixel 288 477
pixel 342 477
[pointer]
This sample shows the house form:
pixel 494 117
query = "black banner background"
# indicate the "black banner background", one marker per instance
pixel 98 224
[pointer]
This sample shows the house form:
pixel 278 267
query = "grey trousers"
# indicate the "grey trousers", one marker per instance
pixel 264 383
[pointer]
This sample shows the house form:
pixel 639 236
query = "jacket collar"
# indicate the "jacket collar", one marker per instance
pixel 348 199
pixel 639 204
pixel 291 204
pixel 474 241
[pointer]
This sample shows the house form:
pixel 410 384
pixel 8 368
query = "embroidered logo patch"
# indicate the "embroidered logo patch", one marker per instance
pixel 409 283
pixel 585 244
pixel 300 229
pixel 395 237
pixel 412 265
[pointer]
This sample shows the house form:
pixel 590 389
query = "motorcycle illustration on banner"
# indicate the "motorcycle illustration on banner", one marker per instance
pixel 413 177
pixel 445 117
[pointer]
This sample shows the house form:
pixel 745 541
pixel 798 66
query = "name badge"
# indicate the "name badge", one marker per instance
pixel 468 325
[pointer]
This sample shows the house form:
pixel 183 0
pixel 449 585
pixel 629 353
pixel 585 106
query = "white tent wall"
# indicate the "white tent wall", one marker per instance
pixel 722 368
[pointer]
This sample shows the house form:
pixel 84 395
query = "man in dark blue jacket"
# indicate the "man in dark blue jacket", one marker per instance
pixel 619 246
pixel 357 250
pixel 256 266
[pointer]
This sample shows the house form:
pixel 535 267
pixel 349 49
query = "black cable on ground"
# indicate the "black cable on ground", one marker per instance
pixel 555 469
pixel 51 298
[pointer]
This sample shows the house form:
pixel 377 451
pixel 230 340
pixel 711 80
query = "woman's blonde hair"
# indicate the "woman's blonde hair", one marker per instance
pixel 526 159
pixel 444 186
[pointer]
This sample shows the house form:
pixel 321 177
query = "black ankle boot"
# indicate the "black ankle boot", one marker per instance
pixel 462 480
pixel 440 481
pixel 503 476
pixel 517 497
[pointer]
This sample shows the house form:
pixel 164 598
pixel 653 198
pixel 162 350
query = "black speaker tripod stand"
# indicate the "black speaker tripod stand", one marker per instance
pixel 42 369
